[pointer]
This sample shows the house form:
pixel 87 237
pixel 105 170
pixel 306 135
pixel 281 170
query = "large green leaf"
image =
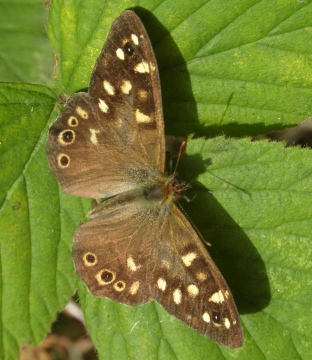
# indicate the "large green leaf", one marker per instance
pixel 25 53
pixel 233 68
pixel 36 221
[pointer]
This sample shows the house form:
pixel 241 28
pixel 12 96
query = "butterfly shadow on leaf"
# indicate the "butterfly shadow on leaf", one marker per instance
pixel 232 250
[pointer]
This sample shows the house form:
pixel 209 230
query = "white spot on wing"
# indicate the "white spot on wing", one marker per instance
pixel 135 39
pixel 193 290
pixel 141 118
pixel 177 296
pixel 217 297
pixel 131 264
pixel 93 137
pixel 126 87
pixel 227 323
pixel 134 288
pixel 103 106
pixel 142 67
pixel 82 112
pixel 162 284
pixel 188 258
pixel 206 317
pixel 120 54
pixel 108 87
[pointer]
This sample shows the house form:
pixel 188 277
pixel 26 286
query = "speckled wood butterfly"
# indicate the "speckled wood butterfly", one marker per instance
pixel 138 245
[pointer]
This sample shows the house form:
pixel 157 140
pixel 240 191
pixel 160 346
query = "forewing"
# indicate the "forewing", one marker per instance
pixel 111 139
pixel 87 159
pixel 126 79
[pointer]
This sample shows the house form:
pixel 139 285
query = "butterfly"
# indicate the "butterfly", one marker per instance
pixel 137 246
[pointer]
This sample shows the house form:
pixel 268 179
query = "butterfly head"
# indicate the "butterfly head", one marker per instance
pixel 166 189
pixel 177 187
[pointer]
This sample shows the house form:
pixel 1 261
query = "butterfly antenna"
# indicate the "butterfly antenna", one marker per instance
pixel 194 226
pixel 182 150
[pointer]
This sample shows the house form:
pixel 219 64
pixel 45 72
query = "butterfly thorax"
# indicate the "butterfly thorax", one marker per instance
pixel 165 189
pixel 150 194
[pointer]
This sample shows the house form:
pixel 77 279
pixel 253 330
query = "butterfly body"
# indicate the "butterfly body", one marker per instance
pixel 137 246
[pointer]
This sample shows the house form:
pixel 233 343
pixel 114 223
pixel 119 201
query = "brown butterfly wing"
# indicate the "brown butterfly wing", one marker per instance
pixel 116 246
pixel 154 253
pixel 130 68
pixel 188 284
pixel 109 140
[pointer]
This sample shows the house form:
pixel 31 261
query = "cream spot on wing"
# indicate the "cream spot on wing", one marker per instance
pixel 206 317
pixel 89 259
pixel 142 67
pixel 234 322
pixel 226 293
pixel 217 297
pixel 103 106
pixel 141 118
pixel 134 288
pixel 131 264
pixel 81 112
pixel 177 296
pixel 135 39
pixel 105 276
pixel 152 66
pixel 165 264
pixel 216 324
pixel 120 54
pixel 118 123
pixel 142 94
pixel 72 121
pixel 193 290
pixel 188 258
pixel 66 137
pixel 162 284
pixel 119 285
pixel 126 87
pixel 227 323
pixel 108 87
pixel 63 160
pixel 93 137
pixel 201 276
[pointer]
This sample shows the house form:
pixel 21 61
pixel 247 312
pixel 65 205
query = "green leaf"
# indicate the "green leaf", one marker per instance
pixel 36 221
pixel 26 55
pixel 237 68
